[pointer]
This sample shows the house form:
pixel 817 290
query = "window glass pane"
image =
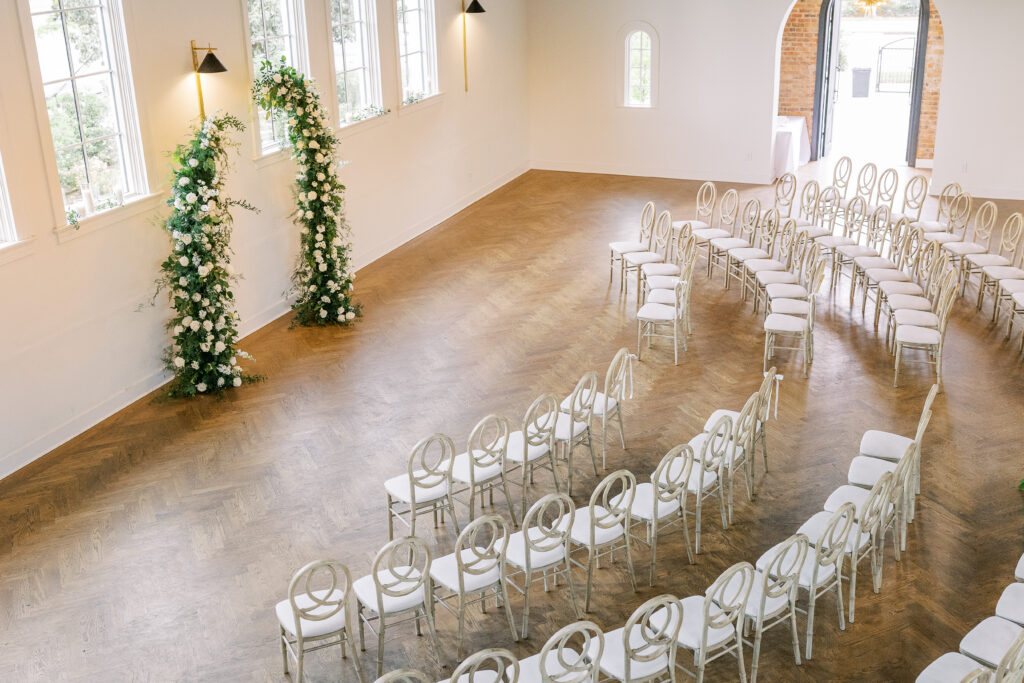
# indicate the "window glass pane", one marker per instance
pixel 53 56
pixel 277 48
pixel 42 5
pixel 88 46
pixel 415 68
pixel 60 104
pixel 413 35
pixel 106 171
pixel 353 48
pixel 71 173
pixel 96 103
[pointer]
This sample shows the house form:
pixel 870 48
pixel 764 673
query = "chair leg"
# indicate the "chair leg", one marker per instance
pixel 391 521
pixel 429 614
pixel 629 562
pixel 508 499
pixel 810 623
pixel 355 660
pixel 462 628
pixel 755 655
pixel 590 577
pixel 622 429
pixel 899 358
pixel 696 550
pixel 380 648
pixel 284 644
pixel 796 638
pixel 653 535
pixel 604 439
pixel 853 580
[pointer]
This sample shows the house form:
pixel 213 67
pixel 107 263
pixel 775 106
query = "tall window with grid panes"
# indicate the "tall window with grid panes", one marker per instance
pixel 276 32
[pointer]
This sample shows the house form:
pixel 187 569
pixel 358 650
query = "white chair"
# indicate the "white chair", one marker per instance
pixel 740 449
pixel 800 306
pixel 718 247
pixel 482 467
pixel 1018 573
pixel 870 234
pixel 426 485
pixel 712 623
pixel 608 403
pixel 763 244
pixel 792 327
pixel 823 221
pixel 923 310
pixel 914 195
pixel 764 395
pixel 404 676
pixel 654 316
pixel 603 526
pixel 954 667
pixel 399 583
pixel 645 648
pixel 785 194
pixel 885 190
pixel 707 479
pixel 542 546
pixel 704 216
pixel 990 641
pixel 773 596
pixel 641 243
pixel 822 571
pixel 1000 265
pixel 321 616
pixel 889 446
pixel 842 172
pixel 865 187
pixel 672 266
pixel 1016 309
pixel 980 243
pixel 533 446
pixel 1011 603
pixel 572 428
pixel 808 207
pixel 494 665
pixel 661 502
pixel 477 566
pixel 728 209
pixel 785 247
pixel 929 340
pixel 959 216
pixel 941 223
pixel 658 252
pixel 572 655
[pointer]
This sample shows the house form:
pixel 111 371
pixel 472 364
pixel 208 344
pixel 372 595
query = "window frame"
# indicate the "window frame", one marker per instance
pixel 300 47
pixel 126 109
pixel 371 49
pixel 625 70
pixel 8 232
pixel 428 48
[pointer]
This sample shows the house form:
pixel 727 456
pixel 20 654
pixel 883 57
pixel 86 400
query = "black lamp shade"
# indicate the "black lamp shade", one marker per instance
pixel 475 8
pixel 211 65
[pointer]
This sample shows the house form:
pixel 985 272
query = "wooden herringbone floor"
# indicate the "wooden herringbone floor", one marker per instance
pixel 154 546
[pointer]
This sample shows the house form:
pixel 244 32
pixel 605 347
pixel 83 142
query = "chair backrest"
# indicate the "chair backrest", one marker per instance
pixel 899 230
pixel 797 253
pixel 488 442
pixel 750 218
pixel 1011 666
pixel 683 248
pixel 946 197
pixel 784 239
pixel 873 507
pixel 985 222
pixel 430 463
pixel 910 249
pixel 960 211
pixel 945 308
pixel 1009 241
pixel 319 591
pixel 572 654
pixel 581 400
pixel 480 548
pixel 785 193
pixel 539 424
pixel 927 260
pixel 669 479
pixel 809 200
pixel 902 481
pixel 401 568
pixel 827 208
pixel 716 446
pixel 914 195
pixel 726 599
pixel 927 409
pixel 706 202
pixel 611 501
pixel 662 234
pixel 830 548
pixel 856 218
pixel 547 523
pixel 647 223
pixel 744 429
pixel 656 625
pixel 404 676
pixel 493 665
pixel 764 395
pixel 781 575
pixel 817 277
pixel 866 181
pixel 728 207
pixel 768 230
pixel 944 276
pixel 888 182
pixel 681 291
pixel 841 174
pixel 616 376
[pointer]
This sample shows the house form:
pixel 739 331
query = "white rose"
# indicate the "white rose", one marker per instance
pixel 179 362
pixel 313 144
pixel 237 382
pixel 193 162
pixel 196 297
pixel 201 387
pixel 178 329
pixel 187 239
pixel 183 181
pixel 277 78
pixel 194 326
pixel 309 215
pixel 191 198
pixel 219 347
pixel 323 312
pixel 350 315
pixel 186 321
pixel 234 360
pixel 311 195
pixel 207 325
pixel 204 347
pixel 194 365
pixel 183 281
pixel 300 111
pixel 203 270
pixel 220 381
pixel 204 207
pixel 321 176
pixel 183 260
pixel 322 268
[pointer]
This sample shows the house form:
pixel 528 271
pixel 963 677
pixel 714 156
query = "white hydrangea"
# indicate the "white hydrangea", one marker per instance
pixel 201 387
pixel 183 181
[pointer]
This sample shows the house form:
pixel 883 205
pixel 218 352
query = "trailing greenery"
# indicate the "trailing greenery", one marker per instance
pixel 197 274
pixel 321 281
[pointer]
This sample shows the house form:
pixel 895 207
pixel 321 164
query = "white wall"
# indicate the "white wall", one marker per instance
pixel 979 141
pixel 74 349
pixel 717 100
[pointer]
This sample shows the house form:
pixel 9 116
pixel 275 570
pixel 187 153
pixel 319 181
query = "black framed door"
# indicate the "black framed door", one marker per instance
pixel 827 83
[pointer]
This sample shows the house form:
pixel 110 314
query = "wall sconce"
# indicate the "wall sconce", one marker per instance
pixel 474 8
pixel 209 65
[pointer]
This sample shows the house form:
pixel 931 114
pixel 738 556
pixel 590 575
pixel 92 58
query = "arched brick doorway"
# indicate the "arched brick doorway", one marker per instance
pixel 800 77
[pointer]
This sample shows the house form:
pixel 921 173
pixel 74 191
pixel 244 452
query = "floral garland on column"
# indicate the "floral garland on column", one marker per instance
pixel 197 273
pixel 322 281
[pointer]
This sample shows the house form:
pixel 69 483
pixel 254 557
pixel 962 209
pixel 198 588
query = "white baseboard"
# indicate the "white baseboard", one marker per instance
pixel 647 172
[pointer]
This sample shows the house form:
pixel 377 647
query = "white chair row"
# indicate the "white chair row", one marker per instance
pixel 667 297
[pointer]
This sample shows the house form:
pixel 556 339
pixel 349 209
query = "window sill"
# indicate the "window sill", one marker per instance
pixel 638 107
pixel 356 127
pixel 12 251
pixel 419 105
pixel 90 224
pixel 271 157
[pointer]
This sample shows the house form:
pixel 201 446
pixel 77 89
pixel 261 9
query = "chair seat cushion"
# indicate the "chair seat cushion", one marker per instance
pixel 855 250
pixel 931 226
pixel 727 243
pixel 814 527
pixel 564 424
pixel 312 628
pixel 912 334
pixel 463 464
pixel 705 234
pixel 885 445
pixel 801 222
pixel 799 307
pixel 866 471
pixel 694 483
pixel 1003 273
pixel 777 322
pixel 639 258
pixel 906 316
pixel 662 281
pixel 775 277
pixel 834 241
pixel 1012 286
pixel 366 591
pixel 613 658
pixel 748 254
pixel 886 275
pixel 694 224
pixel 951 667
pixel 1011 603
pixel 650 269
pixel 849 494
pixel 662 296
pixel 581 523
pixel 445 571
pixel 963 248
pixel 643 504
pixel 656 312
pixel 985 259
pixel 627 247
pixel 786 291
pixel 909 302
pixel 891 287
pixel 942 237
pixel 697 444
pixel 813 231
pixel 399 489
pixel 514 450
pixel 772 605
pixel 874 262
pixel 602 403
pixel 692 629
pixel 806 570
pixel 1018 299
pixel 530 668
pixel 1019 572
pixel 758 265
pixel 989 641
pixel 516 551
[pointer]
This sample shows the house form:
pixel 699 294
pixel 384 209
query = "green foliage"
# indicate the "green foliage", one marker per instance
pixel 197 273
pixel 321 280
pixel 370 112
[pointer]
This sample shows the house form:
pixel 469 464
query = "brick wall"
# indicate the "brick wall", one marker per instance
pixel 799 65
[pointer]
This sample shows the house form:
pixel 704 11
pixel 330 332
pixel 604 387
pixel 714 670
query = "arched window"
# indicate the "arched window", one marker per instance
pixel 639 65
